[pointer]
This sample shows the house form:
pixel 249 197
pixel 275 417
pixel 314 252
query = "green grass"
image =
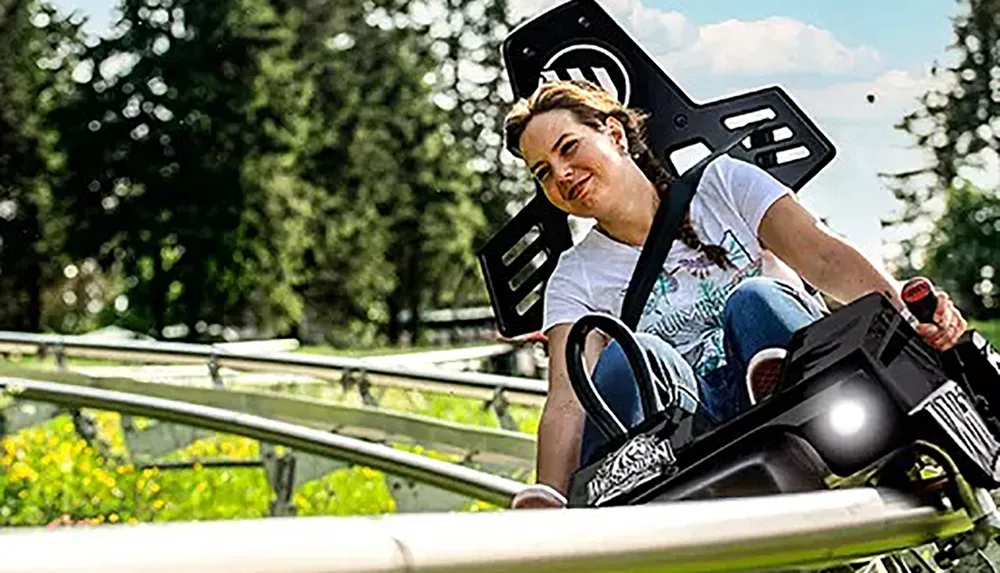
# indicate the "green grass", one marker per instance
pixel 49 475
pixel 458 409
pixel 989 329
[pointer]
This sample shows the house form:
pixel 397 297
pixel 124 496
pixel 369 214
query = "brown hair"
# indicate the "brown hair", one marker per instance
pixel 592 106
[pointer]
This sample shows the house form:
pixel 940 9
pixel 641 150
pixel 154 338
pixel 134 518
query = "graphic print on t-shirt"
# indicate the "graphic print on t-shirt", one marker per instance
pixel 694 327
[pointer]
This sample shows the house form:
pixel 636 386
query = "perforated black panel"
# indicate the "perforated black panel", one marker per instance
pixel 579 39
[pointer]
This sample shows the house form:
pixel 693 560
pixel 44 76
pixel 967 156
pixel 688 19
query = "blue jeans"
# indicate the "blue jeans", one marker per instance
pixel 760 313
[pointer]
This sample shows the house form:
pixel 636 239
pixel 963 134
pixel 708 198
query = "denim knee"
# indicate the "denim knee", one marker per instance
pixel 750 297
pixel 762 313
pixel 672 374
pixel 615 382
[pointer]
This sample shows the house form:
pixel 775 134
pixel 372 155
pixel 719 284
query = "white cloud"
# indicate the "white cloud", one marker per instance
pixel 658 31
pixel 895 94
pixel 772 45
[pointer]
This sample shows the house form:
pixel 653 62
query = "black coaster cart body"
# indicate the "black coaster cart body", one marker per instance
pixel 864 400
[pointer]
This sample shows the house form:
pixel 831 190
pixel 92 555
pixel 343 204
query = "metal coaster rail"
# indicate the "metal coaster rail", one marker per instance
pixel 517 390
pixel 785 532
pixel 789 531
pixel 451 477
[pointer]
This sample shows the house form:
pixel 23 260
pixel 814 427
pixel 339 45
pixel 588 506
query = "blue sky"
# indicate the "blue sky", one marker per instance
pixel 903 31
pixel 827 54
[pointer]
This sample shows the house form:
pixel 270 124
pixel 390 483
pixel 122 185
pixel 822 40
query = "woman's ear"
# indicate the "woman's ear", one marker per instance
pixel 616 131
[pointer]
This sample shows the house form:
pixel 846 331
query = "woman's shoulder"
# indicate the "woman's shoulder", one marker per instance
pixel 721 171
pixel 584 250
pixel 593 249
pixel 739 187
pixel 727 177
pixel 589 276
pixel 726 171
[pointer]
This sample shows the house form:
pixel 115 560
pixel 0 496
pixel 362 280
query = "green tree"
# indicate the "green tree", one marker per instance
pixel 964 250
pixel 177 180
pixel 391 214
pixel 473 85
pixel 959 124
pixel 36 54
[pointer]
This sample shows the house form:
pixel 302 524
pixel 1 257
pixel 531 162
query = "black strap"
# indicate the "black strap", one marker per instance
pixel 668 217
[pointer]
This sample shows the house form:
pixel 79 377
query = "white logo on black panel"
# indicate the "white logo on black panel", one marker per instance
pixel 590 62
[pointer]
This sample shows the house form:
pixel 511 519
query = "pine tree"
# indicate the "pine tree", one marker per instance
pixel 391 215
pixel 958 122
pixel 172 150
pixel 36 55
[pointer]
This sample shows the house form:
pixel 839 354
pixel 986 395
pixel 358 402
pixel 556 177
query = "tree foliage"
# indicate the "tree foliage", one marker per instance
pixel 964 251
pixel 392 218
pixel 958 123
pixel 319 168
pixel 35 54
pixel 164 139
pixel 473 85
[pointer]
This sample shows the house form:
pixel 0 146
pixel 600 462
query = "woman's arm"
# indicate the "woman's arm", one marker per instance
pixel 837 268
pixel 561 426
pixel 823 259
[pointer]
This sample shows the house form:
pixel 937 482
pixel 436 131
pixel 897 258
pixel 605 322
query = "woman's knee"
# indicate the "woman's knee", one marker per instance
pixel 758 298
pixel 670 370
pixel 659 351
pixel 661 348
pixel 761 313
pixel 613 363
pixel 615 382
pixel 754 292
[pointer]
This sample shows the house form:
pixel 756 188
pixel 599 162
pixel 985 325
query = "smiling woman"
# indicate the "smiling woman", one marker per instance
pixel 728 297
pixel 579 152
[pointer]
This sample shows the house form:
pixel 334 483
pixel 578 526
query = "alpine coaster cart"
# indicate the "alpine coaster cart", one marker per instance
pixel 863 401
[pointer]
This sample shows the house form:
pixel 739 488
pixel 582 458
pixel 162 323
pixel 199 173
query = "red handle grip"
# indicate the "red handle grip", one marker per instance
pixel 919 296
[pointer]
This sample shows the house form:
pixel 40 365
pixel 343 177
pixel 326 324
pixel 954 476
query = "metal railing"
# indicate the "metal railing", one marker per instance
pixel 477 443
pixel 764 533
pixel 801 530
pixel 516 390
pixel 450 477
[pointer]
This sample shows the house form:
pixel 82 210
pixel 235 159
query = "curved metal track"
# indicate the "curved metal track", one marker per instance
pixel 446 476
pixel 790 531
pixel 764 533
pixel 521 390
pixel 515 450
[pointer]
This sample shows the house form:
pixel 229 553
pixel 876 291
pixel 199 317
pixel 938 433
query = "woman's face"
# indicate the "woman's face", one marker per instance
pixel 576 164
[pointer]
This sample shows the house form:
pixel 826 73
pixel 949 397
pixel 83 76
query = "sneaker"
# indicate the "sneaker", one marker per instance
pixel 764 373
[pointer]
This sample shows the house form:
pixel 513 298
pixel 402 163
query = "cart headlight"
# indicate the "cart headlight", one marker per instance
pixel 847 417
pixel 852 423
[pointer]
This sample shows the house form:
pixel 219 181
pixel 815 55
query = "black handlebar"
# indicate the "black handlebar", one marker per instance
pixel 920 298
pixel 595 406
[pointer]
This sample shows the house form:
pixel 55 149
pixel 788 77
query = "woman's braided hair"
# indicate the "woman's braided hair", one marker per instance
pixel 592 106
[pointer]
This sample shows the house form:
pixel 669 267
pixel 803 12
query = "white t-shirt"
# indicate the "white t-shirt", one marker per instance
pixel 686 304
